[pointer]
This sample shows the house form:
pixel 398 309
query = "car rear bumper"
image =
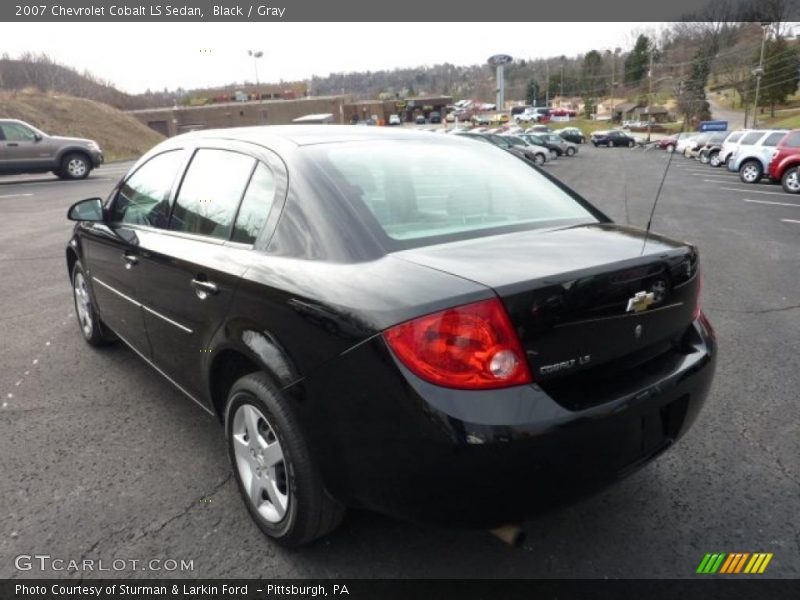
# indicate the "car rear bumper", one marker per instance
pixel 407 448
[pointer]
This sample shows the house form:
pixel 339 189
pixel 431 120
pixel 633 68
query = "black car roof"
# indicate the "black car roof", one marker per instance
pixel 305 135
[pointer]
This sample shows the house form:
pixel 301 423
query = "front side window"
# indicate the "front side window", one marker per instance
pixel 210 193
pixel 143 199
pixel 421 193
pixel 14 132
pixel 733 138
pixel 751 138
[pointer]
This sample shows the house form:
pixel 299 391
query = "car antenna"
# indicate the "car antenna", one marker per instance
pixel 661 184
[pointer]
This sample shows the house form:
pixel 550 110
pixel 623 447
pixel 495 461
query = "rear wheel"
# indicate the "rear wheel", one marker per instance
pixel 570 151
pixel 272 463
pixel 750 171
pixel 714 160
pixel 704 158
pixel 790 181
pixel 670 148
pixel 610 144
pixel 631 144
pixel 538 158
pixel 74 166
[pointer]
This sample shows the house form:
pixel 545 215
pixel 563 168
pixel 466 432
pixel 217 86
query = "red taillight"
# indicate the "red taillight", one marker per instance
pixel 472 347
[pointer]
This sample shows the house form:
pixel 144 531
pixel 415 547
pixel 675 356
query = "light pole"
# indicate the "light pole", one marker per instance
pixel 759 71
pixel 650 95
pixel 256 54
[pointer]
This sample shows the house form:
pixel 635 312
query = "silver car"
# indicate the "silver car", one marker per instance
pixel 751 157
pixel 26 149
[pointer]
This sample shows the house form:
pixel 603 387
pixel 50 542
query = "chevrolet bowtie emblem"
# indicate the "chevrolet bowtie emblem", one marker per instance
pixel 640 301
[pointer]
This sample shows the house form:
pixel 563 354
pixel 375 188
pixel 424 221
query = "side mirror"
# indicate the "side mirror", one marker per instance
pixel 37 137
pixel 87 210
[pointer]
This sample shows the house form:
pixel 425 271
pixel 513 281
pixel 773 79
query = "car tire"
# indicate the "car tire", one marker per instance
pixel 714 160
pixel 670 148
pixel 539 159
pixel 703 158
pixel 75 166
pixel 570 151
pixel 631 144
pixel 288 500
pixel 790 182
pixel 610 144
pixel 750 171
pixel 92 327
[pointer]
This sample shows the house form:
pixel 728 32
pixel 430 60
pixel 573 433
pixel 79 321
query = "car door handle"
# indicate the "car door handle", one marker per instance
pixel 204 289
pixel 130 260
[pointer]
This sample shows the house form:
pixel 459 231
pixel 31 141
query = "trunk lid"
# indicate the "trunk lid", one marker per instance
pixel 572 293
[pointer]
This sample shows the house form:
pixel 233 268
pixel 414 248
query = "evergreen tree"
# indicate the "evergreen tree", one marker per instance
pixel 637 62
pixel 780 77
pixel 531 92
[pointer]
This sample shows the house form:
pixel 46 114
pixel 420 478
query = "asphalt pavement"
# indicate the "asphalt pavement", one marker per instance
pixel 103 459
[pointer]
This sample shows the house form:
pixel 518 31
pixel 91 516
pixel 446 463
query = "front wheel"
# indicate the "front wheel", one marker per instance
pixel 714 160
pixel 538 159
pixel 74 166
pixel 610 144
pixel 570 151
pixel 93 329
pixel 272 463
pixel 631 144
pixel 670 148
pixel 790 181
pixel 704 159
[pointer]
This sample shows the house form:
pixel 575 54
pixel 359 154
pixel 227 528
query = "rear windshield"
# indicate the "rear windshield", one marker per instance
pixel 420 193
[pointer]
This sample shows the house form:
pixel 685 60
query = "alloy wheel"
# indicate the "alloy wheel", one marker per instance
pixel 260 463
pixel 750 173
pixel 83 304
pixel 76 167
pixel 791 183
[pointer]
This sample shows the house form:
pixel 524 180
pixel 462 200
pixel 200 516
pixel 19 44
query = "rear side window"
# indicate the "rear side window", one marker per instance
pixel 792 140
pixel 773 138
pixel 210 193
pixel 255 207
pixel 144 197
pixel 421 193
pixel 751 138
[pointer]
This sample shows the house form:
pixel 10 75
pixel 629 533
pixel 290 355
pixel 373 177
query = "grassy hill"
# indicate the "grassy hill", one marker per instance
pixel 120 135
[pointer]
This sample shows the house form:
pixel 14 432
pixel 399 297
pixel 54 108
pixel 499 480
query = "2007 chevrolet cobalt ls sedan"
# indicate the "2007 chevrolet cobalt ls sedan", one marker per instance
pixel 421 325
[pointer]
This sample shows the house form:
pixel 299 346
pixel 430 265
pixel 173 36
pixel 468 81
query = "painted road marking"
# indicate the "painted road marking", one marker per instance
pixel 790 220
pixel 768 202
pixel 754 191
pixel 15 195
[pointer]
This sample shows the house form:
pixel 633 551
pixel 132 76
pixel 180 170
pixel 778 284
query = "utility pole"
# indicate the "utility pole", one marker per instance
pixel 650 94
pixel 759 72
pixel 547 85
pixel 561 93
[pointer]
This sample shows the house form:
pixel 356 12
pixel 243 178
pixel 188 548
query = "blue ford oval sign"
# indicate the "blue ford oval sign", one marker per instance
pixel 500 59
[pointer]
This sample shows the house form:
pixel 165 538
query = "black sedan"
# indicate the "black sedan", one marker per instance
pixel 613 139
pixel 572 134
pixel 421 325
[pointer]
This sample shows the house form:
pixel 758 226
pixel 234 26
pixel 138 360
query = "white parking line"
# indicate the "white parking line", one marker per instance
pixel 15 195
pixel 790 220
pixel 752 191
pixel 768 202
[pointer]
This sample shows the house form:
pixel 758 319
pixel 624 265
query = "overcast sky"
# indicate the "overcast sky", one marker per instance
pixel 137 56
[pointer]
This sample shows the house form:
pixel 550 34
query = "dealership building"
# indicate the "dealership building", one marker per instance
pixel 180 119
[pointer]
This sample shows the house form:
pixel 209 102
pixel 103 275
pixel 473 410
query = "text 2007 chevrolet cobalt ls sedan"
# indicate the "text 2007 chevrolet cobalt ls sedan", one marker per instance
pixel 415 324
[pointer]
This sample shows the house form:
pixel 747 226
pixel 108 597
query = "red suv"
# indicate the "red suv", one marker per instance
pixel 785 159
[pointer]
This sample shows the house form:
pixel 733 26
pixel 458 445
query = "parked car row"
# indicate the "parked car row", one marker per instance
pixel 752 153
